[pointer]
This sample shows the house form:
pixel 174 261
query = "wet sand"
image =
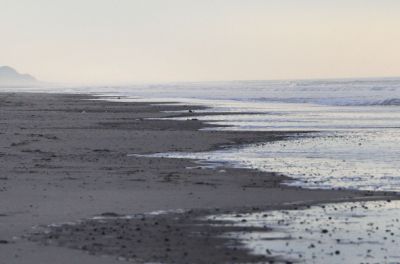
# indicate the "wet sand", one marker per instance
pixel 65 158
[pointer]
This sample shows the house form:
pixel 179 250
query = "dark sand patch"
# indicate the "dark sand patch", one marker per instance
pixel 162 238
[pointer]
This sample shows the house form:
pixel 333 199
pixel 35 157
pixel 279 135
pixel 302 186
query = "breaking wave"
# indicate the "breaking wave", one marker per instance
pixel 391 101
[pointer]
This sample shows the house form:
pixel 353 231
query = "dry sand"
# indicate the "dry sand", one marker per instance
pixel 65 158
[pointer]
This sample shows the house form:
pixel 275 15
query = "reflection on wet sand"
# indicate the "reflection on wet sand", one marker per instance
pixel 360 232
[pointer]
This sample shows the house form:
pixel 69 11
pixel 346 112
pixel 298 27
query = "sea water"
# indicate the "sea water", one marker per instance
pixel 355 125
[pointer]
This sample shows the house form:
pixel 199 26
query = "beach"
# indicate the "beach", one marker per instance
pixel 70 157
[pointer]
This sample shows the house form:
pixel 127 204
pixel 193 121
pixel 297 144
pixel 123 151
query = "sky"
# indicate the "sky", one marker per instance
pixel 124 41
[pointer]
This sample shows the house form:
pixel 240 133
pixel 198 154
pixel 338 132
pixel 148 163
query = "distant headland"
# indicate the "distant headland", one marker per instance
pixel 10 77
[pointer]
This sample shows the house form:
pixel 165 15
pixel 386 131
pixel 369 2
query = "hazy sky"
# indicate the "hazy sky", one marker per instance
pixel 175 40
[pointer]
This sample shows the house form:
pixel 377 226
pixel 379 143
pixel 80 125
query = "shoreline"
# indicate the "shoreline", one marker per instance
pixel 65 158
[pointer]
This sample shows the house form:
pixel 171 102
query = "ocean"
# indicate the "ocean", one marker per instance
pixel 355 127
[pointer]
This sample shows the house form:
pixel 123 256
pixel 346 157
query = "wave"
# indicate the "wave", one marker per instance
pixel 391 101
pixel 329 101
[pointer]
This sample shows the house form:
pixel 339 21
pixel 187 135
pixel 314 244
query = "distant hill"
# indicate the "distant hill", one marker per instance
pixel 10 77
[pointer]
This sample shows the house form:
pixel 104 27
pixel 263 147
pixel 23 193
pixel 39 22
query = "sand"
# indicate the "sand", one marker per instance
pixel 66 157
